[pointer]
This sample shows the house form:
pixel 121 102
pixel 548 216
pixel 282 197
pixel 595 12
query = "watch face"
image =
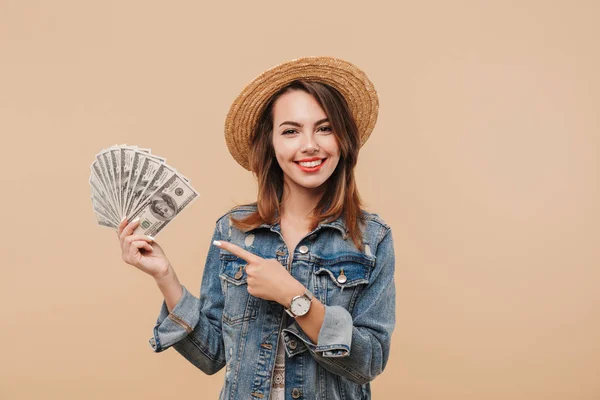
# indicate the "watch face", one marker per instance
pixel 300 305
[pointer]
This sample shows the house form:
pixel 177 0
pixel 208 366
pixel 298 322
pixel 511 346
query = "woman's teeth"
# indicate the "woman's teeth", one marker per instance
pixel 311 163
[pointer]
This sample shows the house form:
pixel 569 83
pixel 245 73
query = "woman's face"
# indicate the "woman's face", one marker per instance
pixel 301 131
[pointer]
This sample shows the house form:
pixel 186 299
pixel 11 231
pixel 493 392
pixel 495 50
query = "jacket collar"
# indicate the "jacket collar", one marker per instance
pixel 339 224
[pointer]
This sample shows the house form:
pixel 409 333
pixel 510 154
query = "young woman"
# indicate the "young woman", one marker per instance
pixel 297 297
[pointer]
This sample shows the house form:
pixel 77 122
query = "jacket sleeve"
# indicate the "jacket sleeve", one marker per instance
pixel 357 346
pixel 193 327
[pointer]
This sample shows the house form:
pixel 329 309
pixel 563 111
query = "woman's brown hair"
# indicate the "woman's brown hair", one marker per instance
pixel 341 195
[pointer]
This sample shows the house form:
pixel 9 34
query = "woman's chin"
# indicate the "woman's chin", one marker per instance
pixel 310 183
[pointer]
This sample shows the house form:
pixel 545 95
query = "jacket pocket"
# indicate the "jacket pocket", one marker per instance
pixel 239 305
pixel 340 279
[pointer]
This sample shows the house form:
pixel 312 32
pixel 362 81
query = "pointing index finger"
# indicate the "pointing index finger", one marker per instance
pixel 237 250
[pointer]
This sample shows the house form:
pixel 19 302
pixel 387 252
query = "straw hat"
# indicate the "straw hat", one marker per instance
pixel 347 78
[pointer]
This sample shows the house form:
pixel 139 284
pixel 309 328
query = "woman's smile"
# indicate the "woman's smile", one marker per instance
pixel 311 166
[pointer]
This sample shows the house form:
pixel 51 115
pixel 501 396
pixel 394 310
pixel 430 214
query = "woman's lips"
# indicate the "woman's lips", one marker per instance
pixel 311 169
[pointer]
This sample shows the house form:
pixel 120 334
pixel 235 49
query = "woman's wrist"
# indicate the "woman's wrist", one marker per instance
pixel 170 287
pixel 291 291
pixel 163 273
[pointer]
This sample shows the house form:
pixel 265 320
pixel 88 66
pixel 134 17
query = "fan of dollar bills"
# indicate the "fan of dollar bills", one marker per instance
pixel 128 181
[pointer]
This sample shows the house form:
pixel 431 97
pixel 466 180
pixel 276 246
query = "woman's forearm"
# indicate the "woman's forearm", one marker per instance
pixel 170 287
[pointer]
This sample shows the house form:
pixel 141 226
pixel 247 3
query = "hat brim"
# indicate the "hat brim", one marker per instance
pixel 347 78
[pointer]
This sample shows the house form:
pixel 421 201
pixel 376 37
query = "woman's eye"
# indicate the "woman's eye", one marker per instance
pixel 289 131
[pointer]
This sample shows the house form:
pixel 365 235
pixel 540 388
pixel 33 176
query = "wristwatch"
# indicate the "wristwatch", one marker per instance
pixel 300 304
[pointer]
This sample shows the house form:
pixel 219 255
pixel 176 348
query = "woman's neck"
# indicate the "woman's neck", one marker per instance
pixel 299 203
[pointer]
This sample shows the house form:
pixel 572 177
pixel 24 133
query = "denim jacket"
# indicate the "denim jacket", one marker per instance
pixel 227 327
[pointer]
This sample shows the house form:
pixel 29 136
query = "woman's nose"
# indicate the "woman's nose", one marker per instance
pixel 310 144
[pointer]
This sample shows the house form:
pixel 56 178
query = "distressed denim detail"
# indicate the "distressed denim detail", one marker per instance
pixel 226 327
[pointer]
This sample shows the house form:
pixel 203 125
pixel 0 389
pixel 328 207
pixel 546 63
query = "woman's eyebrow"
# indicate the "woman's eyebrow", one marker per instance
pixel 300 125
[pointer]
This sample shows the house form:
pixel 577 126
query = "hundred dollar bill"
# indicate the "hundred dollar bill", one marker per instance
pixel 115 161
pixel 163 173
pixel 163 205
pixel 126 155
pixel 99 207
pixel 103 198
pixel 143 184
pixel 149 167
pixel 119 166
pixel 102 221
pixel 136 163
pixel 101 216
pixel 109 176
pixel 98 183
pixel 132 156
pixel 101 171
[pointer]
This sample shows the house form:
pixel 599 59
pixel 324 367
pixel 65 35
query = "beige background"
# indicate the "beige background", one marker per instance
pixel 484 161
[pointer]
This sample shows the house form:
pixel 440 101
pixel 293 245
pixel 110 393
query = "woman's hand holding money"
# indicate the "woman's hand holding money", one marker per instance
pixel 138 251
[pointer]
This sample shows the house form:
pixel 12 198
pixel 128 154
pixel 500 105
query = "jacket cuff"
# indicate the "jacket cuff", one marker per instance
pixel 173 326
pixel 335 336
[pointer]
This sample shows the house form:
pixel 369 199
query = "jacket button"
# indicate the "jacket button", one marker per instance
pixel 238 274
pixel 293 344
pixel 341 277
pixel 303 249
pixel 296 393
